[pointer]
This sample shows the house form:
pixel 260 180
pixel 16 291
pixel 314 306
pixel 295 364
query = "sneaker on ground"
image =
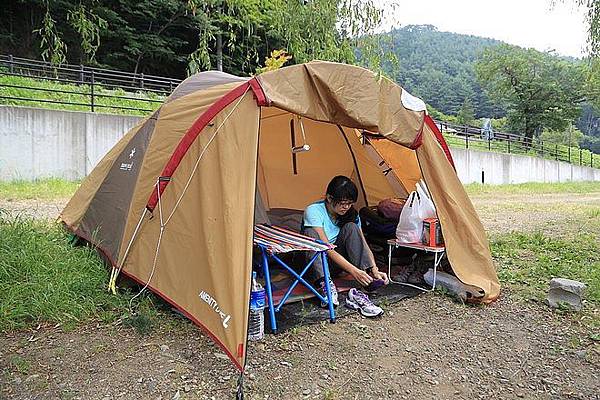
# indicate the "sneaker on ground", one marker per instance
pixel 334 294
pixel 357 300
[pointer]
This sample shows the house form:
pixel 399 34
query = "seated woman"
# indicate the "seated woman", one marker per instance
pixel 335 220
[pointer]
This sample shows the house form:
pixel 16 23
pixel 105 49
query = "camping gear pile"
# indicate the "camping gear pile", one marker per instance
pixel 411 220
pixel 173 204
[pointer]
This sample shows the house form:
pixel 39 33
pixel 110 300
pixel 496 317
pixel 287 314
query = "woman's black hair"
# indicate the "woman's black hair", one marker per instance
pixel 341 188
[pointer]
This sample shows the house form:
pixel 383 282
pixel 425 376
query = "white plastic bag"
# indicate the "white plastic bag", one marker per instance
pixel 418 207
pixel 426 207
pixel 410 224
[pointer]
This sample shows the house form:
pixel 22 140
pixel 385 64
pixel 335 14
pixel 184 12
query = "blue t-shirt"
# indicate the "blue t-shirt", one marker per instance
pixel 316 216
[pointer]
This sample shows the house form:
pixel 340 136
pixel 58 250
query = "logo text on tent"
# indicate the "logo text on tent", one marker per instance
pixel 126 166
pixel 212 303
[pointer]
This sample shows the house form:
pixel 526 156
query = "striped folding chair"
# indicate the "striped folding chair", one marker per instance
pixel 273 240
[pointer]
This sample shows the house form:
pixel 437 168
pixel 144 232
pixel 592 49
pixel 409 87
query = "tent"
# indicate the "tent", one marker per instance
pixel 172 204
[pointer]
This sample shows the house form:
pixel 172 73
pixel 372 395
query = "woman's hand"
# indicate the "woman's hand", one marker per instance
pixel 361 276
pixel 377 274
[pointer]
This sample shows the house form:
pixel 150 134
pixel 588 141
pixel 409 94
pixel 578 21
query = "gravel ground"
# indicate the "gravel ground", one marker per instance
pixel 422 348
pixel 48 209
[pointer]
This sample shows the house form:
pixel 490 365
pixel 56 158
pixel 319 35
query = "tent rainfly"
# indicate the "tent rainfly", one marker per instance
pixel 172 204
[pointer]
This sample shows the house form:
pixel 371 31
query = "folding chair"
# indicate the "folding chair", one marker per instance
pixel 273 240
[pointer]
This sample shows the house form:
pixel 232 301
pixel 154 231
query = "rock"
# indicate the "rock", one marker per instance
pixel 306 392
pixel 221 356
pixel 565 292
pixel 164 347
pixel 581 353
pixel 285 364
pixel 176 396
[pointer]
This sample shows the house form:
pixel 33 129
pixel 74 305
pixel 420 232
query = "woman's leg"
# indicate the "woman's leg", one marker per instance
pixel 352 245
pixel 316 271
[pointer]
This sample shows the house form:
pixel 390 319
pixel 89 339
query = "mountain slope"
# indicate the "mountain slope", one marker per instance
pixel 439 68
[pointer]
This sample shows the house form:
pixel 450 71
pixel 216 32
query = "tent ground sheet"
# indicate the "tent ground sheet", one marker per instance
pixel 302 307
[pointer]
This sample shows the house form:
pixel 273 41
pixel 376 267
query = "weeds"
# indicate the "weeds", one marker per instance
pixel 134 103
pixel 533 188
pixel 527 262
pixel 20 364
pixel 141 322
pixel 43 189
pixel 144 317
pixel 44 278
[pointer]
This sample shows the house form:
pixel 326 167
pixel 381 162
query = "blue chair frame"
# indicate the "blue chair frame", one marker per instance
pixel 273 308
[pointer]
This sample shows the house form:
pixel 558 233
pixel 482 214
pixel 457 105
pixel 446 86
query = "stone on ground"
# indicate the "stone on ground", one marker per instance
pixel 565 292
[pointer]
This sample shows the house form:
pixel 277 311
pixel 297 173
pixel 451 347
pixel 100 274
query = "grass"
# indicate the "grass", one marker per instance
pixel 20 364
pixel 45 279
pixel 79 95
pixel 528 261
pixel 534 188
pixel 43 189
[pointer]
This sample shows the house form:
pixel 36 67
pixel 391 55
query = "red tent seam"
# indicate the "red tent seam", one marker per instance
pixel 440 138
pixel 190 136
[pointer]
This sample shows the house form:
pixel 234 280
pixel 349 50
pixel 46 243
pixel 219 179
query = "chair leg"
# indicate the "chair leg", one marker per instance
pixel 267 273
pixel 327 287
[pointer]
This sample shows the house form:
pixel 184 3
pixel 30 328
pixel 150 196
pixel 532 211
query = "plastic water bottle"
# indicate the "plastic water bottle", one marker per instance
pixel 256 323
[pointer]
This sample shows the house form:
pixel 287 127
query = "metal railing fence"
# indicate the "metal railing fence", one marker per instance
pixel 502 142
pixel 90 87
pixel 97 89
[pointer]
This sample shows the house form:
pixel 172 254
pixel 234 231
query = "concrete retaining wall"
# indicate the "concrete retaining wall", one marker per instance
pixel 498 168
pixel 40 143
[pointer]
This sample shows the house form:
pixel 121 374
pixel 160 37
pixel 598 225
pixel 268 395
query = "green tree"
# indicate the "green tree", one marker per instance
pixel 175 37
pixel 439 67
pixel 466 114
pixel 232 35
pixel 332 30
pixel 569 137
pixel 539 90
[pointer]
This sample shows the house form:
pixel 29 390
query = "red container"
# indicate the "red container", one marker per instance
pixel 432 233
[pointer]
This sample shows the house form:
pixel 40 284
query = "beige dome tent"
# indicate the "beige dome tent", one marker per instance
pixel 172 205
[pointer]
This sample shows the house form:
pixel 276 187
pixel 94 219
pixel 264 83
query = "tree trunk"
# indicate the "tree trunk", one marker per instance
pixel 219 52
pixel 529 132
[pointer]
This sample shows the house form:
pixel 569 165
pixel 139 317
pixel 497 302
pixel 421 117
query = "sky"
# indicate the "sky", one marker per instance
pixel 526 23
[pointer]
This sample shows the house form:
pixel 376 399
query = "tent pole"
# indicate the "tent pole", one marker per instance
pixel 362 187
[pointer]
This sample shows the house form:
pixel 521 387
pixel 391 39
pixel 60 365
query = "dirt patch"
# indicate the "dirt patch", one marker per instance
pixel 550 213
pixel 423 348
pixel 44 209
